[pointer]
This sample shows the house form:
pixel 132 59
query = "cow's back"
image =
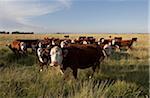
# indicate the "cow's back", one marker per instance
pixel 82 56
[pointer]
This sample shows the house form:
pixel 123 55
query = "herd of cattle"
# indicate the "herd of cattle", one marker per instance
pixel 78 53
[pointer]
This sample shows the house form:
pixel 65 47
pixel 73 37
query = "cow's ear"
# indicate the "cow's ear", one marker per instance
pixel 65 52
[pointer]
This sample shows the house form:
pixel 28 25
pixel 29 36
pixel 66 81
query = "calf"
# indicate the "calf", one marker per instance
pixel 77 56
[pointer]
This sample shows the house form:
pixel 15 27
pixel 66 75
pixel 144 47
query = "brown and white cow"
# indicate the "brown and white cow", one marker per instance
pixel 29 43
pixel 125 43
pixel 43 57
pixel 17 47
pixel 43 52
pixel 43 49
pixel 77 57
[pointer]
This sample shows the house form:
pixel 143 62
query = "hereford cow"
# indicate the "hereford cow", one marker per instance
pixel 77 56
pixel 118 38
pixel 91 40
pixel 43 57
pixel 29 43
pixel 125 43
pixel 17 47
pixel 43 52
pixel 104 41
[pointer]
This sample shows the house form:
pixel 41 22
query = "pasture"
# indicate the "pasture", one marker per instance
pixel 120 75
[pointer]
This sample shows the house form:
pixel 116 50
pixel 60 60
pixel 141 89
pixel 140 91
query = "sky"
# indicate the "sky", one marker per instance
pixel 74 16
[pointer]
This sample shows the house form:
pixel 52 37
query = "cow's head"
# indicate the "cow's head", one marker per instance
pixel 39 44
pixel 108 49
pixel 85 42
pixel 113 42
pixel 57 55
pixel 72 41
pixel 22 46
pixel 63 43
pixel 134 39
pixel 102 40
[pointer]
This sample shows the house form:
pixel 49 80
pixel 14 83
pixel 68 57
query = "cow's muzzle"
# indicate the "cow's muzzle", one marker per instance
pixel 54 64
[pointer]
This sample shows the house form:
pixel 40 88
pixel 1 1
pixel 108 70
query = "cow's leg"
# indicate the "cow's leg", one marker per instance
pixel 25 51
pixel 101 59
pixel 41 67
pixel 75 70
pixel 47 65
pixel 94 67
pixel 46 62
pixel 63 68
pixel 33 48
pixel 63 72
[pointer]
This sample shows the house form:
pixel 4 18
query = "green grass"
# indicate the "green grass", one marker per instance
pixel 120 75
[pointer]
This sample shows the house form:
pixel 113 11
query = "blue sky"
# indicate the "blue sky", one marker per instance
pixel 91 16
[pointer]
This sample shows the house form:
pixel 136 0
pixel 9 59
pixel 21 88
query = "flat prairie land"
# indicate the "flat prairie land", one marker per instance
pixel 121 75
pixel 142 38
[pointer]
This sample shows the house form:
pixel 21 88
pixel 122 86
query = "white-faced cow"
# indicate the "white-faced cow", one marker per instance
pixel 43 57
pixel 43 53
pixel 17 47
pixel 77 57
pixel 125 43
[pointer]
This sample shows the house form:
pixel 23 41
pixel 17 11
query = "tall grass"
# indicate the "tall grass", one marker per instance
pixel 32 84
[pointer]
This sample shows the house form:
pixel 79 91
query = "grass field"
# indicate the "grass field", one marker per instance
pixel 120 75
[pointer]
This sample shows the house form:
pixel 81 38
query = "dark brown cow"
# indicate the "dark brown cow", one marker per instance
pixel 105 41
pixel 77 56
pixel 66 36
pixel 90 40
pixel 118 38
pixel 84 40
pixel 76 41
pixel 82 37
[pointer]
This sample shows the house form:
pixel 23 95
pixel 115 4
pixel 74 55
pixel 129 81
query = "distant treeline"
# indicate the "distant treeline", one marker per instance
pixel 15 32
pixel 3 32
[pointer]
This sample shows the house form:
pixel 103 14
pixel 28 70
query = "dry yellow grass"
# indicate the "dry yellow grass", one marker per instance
pixel 143 39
